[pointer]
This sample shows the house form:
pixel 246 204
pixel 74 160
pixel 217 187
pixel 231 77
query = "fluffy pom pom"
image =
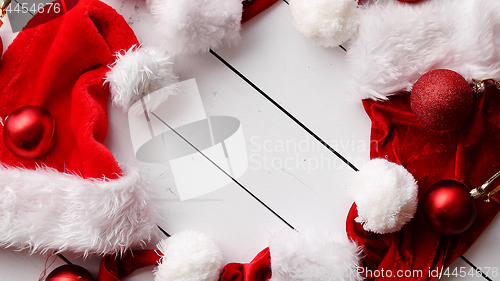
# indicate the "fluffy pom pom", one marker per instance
pixel 385 194
pixel 314 255
pixel 189 256
pixel 191 26
pixel 328 22
pixel 137 72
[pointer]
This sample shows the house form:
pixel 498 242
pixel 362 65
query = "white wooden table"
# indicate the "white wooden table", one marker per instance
pixel 298 94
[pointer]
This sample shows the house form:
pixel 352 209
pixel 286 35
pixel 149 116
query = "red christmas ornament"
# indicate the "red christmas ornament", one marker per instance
pixel 441 99
pixel 70 272
pixel 30 132
pixel 449 208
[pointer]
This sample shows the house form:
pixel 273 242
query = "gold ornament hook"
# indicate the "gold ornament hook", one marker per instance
pixel 4 6
pixel 3 10
pixel 481 85
pixel 481 191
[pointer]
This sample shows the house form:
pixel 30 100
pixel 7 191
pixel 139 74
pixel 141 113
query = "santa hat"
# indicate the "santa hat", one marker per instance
pixel 70 193
pixel 396 44
pixel 76 196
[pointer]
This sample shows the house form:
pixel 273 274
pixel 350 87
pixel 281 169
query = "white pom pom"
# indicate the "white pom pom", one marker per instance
pixel 189 256
pixel 138 72
pixel 385 194
pixel 191 26
pixel 313 255
pixel 328 22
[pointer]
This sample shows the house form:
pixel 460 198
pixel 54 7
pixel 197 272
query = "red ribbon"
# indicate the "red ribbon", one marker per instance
pixel 251 8
pixel 259 269
pixel 114 267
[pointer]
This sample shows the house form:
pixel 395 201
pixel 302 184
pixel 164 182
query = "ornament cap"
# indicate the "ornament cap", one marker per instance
pixel 480 86
pixel 475 193
pixel 481 191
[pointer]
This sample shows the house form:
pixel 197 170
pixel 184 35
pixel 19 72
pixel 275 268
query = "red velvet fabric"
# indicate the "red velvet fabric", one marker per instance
pixel 259 269
pixel 251 8
pixel 114 267
pixel 470 155
pixel 60 65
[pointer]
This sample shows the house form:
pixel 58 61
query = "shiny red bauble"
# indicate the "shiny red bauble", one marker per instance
pixel 449 208
pixel 30 132
pixel 70 272
pixel 441 99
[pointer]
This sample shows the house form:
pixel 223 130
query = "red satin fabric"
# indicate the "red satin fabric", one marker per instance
pixel 113 268
pixel 251 8
pixel 470 155
pixel 259 269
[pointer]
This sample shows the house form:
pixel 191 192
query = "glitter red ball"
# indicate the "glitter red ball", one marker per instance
pixel 441 100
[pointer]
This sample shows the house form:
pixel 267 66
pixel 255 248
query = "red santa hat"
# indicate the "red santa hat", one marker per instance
pixel 426 47
pixel 76 196
pixel 396 44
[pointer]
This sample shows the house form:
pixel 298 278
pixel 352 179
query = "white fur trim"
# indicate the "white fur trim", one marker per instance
pixel 45 210
pixel 138 72
pixel 385 194
pixel 328 22
pixel 399 42
pixel 314 255
pixel 188 256
pixel 191 26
